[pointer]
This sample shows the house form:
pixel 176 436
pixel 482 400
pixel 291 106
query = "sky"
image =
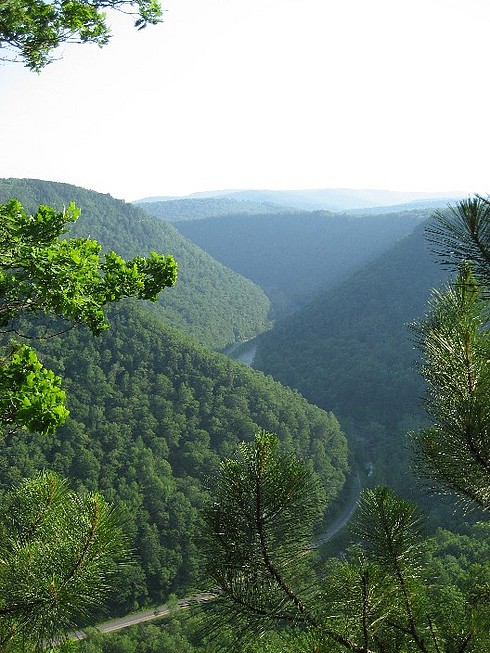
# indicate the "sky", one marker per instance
pixel 265 94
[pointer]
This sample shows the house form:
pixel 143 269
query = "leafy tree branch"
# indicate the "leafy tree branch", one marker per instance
pixel 32 30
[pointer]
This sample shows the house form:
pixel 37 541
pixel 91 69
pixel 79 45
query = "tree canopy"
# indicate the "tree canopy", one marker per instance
pixel 67 277
pixel 31 30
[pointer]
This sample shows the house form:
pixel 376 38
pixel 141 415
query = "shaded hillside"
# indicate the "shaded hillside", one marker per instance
pixel 349 351
pixel 214 304
pixel 173 210
pixel 151 416
pixel 295 256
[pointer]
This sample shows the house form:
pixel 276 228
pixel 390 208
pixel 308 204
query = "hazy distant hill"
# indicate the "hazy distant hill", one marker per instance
pixel 350 351
pixel 197 209
pixel 214 304
pixel 293 256
pixel 330 199
pixel 432 204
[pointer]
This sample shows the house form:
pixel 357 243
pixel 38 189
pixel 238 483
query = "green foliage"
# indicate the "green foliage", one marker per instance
pixel 39 272
pixel 30 395
pixel 389 527
pixel 463 234
pixel 259 528
pixel 31 30
pixel 386 594
pixel 58 554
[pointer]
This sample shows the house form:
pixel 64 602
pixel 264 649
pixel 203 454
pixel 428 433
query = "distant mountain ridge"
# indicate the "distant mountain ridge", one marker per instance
pixel 175 210
pixel 330 199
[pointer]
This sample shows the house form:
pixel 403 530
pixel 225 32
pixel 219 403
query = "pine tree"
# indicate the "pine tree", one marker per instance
pixel 385 596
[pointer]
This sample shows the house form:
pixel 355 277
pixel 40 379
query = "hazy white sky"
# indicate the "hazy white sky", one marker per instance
pixel 389 94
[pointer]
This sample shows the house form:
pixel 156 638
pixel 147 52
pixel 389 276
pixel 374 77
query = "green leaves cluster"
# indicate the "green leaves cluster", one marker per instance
pixel 31 30
pixel 30 395
pixel 70 278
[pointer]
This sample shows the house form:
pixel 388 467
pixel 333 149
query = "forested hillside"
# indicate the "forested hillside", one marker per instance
pixel 214 304
pixel 295 256
pixel 187 208
pixel 350 351
pixel 151 416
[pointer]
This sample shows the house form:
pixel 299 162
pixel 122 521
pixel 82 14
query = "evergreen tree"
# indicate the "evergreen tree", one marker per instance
pixel 454 339
pixel 387 595
pixel 382 597
pixel 59 554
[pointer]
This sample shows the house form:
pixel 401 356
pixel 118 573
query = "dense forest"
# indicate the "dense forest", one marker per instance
pixel 151 414
pixel 151 410
pixel 154 409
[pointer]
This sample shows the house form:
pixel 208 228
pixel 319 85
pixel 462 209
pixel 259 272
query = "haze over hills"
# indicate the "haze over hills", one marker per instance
pixel 175 210
pixel 422 204
pixel 293 256
pixel 350 351
pixel 330 199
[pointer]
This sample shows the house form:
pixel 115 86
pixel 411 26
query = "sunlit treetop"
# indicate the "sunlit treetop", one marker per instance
pixel 31 30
